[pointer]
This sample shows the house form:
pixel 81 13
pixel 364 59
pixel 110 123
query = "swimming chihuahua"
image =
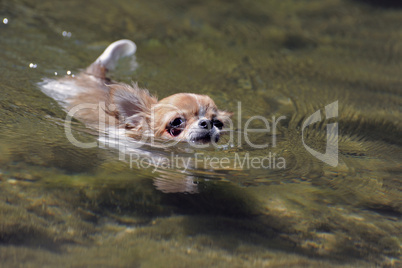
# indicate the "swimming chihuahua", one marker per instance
pixel 183 116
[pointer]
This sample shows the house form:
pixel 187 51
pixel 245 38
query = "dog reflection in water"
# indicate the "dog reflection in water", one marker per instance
pixel 185 117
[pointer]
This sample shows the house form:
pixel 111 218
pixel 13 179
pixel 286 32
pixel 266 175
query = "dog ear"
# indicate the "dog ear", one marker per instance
pixel 130 104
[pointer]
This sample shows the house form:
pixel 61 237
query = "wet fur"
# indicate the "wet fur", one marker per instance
pixel 134 108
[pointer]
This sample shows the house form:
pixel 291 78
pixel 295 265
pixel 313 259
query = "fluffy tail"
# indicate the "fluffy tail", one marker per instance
pixel 108 59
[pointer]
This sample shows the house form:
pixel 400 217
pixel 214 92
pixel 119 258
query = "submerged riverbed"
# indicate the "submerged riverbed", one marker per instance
pixel 62 206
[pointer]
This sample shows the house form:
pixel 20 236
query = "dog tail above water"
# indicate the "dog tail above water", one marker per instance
pixel 109 58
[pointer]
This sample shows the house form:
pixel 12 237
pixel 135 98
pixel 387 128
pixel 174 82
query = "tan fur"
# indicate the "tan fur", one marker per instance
pixel 136 110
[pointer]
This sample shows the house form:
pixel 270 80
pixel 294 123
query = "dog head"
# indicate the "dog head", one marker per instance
pixel 184 116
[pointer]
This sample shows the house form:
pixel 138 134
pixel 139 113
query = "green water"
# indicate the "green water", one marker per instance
pixel 64 206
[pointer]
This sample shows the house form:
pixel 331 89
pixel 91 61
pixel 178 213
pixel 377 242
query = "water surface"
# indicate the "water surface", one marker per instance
pixel 61 205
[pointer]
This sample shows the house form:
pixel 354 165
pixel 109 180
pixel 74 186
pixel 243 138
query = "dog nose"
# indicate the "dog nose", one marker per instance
pixel 205 123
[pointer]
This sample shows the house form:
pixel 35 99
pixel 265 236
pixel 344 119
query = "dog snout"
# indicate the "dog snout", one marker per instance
pixel 205 124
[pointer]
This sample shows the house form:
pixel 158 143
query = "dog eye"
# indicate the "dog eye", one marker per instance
pixel 177 122
pixel 175 132
pixel 217 123
pixel 176 126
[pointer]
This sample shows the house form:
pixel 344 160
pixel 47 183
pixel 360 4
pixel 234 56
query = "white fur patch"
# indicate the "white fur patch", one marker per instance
pixel 116 51
pixel 60 90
